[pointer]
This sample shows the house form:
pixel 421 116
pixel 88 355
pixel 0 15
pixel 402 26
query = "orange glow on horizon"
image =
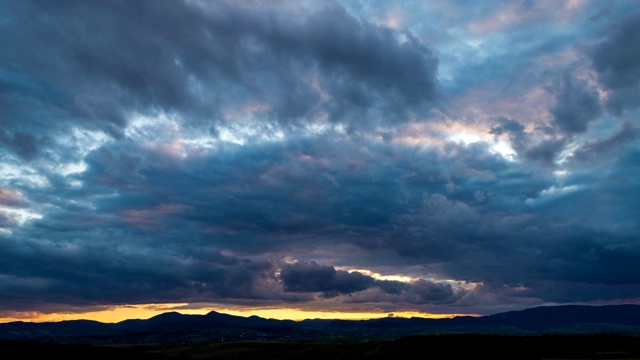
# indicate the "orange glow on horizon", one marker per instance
pixel 121 313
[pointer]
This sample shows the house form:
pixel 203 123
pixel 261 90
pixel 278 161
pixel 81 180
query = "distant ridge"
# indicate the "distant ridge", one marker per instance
pixel 548 317
pixel 173 327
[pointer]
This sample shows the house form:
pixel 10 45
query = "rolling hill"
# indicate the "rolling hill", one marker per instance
pixel 173 327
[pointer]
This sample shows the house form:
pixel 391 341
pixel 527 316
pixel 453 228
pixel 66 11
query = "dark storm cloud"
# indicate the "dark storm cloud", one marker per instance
pixel 520 141
pixel 353 50
pixel 299 187
pixel 97 62
pixel 423 291
pixel 326 187
pixel 438 227
pixel 576 106
pixel 22 143
pixel 508 126
pixel 601 147
pixel 545 151
pixel 617 60
pixel 122 273
pixel 312 277
pixel 237 201
pixel 458 212
pixel 119 167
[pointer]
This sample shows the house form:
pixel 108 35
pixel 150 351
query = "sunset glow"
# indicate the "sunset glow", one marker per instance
pixel 125 312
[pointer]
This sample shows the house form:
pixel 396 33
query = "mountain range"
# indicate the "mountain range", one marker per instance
pixel 173 327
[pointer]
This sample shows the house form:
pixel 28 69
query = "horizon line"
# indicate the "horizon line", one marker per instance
pixel 121 313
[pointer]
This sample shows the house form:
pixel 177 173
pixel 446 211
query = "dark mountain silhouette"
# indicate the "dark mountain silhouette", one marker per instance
pixel 549 317
pixel 173 327
pixel 68 328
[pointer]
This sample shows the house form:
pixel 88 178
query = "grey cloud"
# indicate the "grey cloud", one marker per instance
pixel 22 143
pixel 374 56
pixel 438 228
pixel 600 147
pixel 326 195
pixel 423 291
pixel 576 106
pixel 116 168
pixel 312 277
pixel 391 287
pixel 616 58
pixel 419 293
pixel 507 126
pixel 145 213
pixel 111 59
pixel 265 200
pixel 546 151
pixel 122 273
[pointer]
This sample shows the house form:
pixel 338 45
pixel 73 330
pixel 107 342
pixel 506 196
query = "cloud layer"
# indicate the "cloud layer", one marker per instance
pixel 319 155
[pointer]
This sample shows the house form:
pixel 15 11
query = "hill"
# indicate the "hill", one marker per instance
pixel 176 328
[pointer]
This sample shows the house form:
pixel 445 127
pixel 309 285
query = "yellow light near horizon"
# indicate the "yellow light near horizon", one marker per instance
pixel 297 315
pixel 111 315
pixel 121 313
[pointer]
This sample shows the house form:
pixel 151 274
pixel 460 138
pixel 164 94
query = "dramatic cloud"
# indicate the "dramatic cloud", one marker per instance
pixel 441 157
pixel 576 107
pixel 208 64
pixel 617 59
pixel 302 277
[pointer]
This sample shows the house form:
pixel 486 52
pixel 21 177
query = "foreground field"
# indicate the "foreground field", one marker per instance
pixel 431 347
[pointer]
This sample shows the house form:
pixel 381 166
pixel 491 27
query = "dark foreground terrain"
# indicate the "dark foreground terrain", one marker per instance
pixel 426 347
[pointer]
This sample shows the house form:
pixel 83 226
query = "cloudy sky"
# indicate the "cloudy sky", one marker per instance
pixel 434 157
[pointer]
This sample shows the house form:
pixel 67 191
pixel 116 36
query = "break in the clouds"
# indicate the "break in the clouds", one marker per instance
pixel 437 156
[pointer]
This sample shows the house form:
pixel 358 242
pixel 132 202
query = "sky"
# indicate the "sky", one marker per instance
pixel 317 158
